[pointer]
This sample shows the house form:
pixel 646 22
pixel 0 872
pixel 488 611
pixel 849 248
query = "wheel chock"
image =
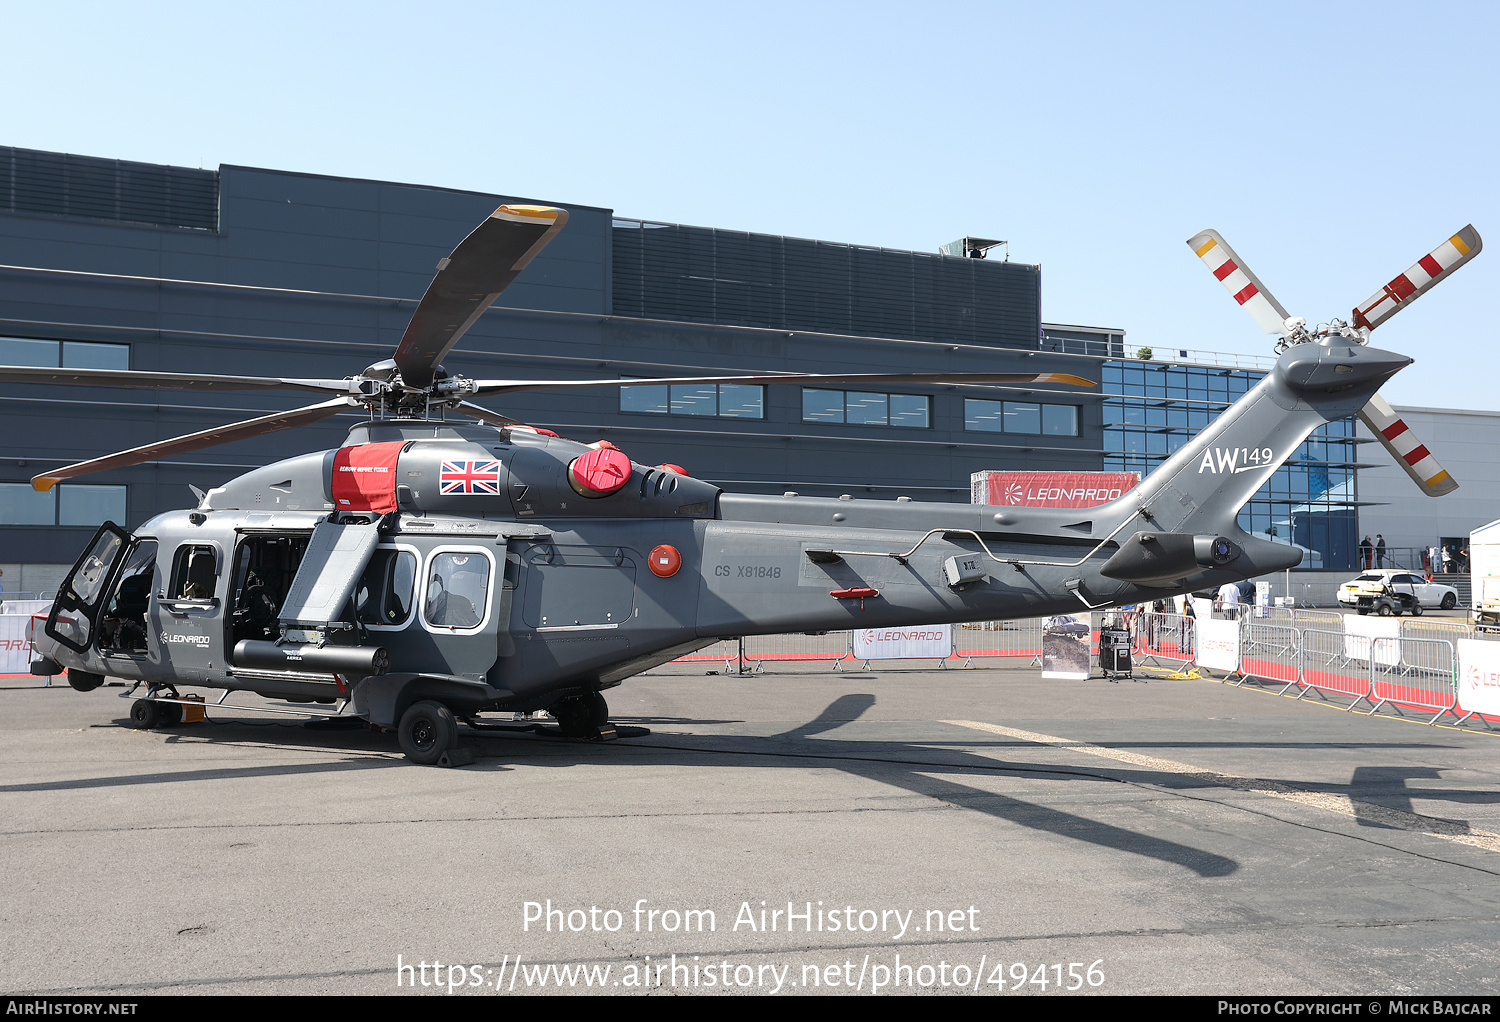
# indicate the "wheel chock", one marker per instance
pixel 456 757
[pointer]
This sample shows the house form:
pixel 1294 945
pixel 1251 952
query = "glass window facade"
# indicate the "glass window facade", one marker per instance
pixel 1024 417
pixel 28 351
pixel 1311 501
pixel 722 400
pixel 865 408
pixel 68 504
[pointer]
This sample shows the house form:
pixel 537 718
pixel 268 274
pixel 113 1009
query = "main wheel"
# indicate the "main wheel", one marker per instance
pixel 84 681
pixel 427 731
pixel 145 714
pixel 1449 601
pixel 580 716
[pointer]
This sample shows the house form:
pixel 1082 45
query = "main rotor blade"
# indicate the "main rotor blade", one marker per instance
pixel 195 441
pixel 1410 453
pixel 1244 286
pixel 953 379
pixel 469 281
pixel 1419 279
pixel 175 381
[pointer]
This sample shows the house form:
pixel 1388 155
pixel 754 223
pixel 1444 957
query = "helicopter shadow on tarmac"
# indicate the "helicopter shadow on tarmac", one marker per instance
pixel 910 766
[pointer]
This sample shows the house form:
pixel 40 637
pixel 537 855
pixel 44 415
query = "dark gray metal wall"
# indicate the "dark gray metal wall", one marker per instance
pixel 355 255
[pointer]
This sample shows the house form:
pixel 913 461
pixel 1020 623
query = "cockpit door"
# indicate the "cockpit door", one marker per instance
pixel 336 557
pixel 81 597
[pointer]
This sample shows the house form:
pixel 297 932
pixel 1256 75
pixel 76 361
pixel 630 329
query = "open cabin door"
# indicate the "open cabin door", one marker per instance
pixel 81 597
pixel 336 557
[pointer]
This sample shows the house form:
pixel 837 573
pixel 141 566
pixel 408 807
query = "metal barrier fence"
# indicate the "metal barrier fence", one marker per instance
pixel 1164 637
pixel 1271 653
pixel 797 647
pixel 1326 620
pixel 1327 667
pixel 1419 673
pixel 725 651
pixel 999 639
pixel 1416 670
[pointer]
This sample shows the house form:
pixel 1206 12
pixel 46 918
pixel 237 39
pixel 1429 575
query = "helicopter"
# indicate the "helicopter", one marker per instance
pixel 431 570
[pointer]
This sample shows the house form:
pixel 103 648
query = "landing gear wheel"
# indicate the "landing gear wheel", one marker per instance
pixel 1449 601
pixel 85 682
pixel 580 716
pixel 145 714
pixel 427 731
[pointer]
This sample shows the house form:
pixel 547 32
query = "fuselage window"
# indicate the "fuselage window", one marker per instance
pixel 195 573
pixel 386 588
pixel 458 586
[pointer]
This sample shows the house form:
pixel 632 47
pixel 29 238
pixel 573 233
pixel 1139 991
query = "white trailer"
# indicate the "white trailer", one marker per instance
pixel 1484 574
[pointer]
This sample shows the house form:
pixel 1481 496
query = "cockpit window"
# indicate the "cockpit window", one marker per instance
pixel 458 585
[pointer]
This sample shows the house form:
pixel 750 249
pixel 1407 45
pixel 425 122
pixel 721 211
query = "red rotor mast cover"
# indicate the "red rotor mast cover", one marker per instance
pixel 364 477
pixel 600 472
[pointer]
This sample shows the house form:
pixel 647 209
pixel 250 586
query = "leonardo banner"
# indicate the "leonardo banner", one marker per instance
pixel 1219 644
pixel 1049 489
pixel 924 642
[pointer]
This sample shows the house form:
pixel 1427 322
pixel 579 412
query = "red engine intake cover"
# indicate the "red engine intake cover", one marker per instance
pixel 599 473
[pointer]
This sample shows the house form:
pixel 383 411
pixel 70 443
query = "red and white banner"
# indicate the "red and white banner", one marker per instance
pixel 1479 676
pixel 15 650
pixel 923 642
pixel 1050 489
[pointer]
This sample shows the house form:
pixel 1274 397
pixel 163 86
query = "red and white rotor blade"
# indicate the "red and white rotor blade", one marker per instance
pixel 1410 453
pixel 1242 285
pixel 1418 280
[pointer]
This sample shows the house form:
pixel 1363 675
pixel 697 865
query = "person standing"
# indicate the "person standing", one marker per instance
pixel 1379 550
pixel 1447 561
pixel 1364 554
pixel 1229 601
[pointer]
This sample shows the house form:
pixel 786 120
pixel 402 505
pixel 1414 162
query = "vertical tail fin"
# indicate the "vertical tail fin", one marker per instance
pixel 1202 487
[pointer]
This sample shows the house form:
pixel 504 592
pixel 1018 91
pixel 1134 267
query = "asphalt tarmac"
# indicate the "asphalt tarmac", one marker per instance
pixel 905 830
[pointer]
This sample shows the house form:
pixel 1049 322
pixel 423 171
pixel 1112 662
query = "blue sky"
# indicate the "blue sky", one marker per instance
pixel 1331 143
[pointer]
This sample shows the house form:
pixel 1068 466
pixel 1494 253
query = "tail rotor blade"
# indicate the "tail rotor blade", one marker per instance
pixel 1242 285
pixel 195 441
pixel 1419 279
pixel 468 282
pixel 1410 453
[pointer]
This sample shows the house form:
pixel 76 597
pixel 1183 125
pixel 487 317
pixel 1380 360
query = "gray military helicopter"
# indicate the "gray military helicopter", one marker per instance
pixel 429 571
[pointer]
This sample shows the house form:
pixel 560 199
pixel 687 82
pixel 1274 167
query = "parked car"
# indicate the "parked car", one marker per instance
pixel 1067 624
pixel 1360 592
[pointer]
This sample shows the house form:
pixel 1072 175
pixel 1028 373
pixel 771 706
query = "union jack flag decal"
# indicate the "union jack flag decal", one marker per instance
pixel 469 477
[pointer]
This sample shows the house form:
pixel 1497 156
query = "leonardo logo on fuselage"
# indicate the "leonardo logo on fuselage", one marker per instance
pixel 1233 460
